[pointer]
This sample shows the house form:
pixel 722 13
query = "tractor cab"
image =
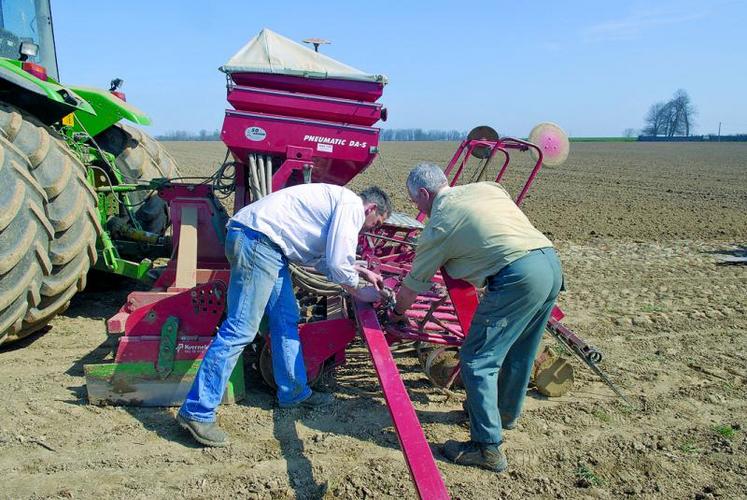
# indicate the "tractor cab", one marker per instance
pixel 26 35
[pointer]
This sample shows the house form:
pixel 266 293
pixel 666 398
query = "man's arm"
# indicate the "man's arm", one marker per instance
pixel 375 279
pixel 431 253
pixel 342 240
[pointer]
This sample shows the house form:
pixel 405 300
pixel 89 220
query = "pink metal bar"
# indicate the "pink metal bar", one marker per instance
pixel 446 308
pixel 443 316
pixel 278 102
pixel 428 481
pixel 347 89
pixel 505 164
pixel 455 158
pixel 524 145
pixel 408 335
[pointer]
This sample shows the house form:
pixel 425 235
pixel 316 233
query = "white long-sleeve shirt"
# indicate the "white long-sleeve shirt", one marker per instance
pixel 314 224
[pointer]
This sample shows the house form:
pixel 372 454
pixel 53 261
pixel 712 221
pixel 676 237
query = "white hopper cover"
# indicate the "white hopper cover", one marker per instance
pixel 269 52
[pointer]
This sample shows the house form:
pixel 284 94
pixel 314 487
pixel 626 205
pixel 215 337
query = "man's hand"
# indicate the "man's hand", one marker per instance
pixel 396 317
pixel 375 279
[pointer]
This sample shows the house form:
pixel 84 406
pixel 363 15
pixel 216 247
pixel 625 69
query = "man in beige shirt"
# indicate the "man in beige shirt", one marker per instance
pixel 478 234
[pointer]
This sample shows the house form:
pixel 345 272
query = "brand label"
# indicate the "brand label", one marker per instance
pixel 255 134
pixel 326 148
pixel 336 141
pixel 180 347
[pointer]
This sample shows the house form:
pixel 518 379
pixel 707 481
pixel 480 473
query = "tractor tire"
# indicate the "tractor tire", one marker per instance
pixel 70 210
pixel 141 158
pixel 25 234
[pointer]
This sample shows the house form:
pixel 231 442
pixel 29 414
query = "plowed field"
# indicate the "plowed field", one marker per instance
pixel 640 229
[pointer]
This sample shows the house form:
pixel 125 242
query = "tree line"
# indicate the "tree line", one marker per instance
pixel 183 135
pixel 419 134
pixel 392 134
pixel 670 118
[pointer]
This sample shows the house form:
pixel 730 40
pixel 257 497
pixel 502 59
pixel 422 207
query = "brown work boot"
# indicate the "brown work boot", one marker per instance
pixel 206 433
pixel 316 400
pixel 485 456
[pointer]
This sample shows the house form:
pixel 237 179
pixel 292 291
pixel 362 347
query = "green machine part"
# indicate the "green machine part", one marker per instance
pixel 163 383
pixel 108 202
pixel 47 100
pixel 109 109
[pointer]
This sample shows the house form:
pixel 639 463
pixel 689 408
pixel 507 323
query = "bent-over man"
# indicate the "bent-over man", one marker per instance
pixel 312 225
pixel 479 235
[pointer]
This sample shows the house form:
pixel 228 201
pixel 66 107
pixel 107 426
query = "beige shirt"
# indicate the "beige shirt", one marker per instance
pixel 473 231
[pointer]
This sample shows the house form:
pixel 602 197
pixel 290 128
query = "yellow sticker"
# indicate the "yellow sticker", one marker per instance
pixel 68 120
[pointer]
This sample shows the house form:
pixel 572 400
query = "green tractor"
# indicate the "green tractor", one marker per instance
pixel 76 184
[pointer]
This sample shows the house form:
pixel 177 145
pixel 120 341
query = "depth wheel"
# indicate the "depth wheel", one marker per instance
pixel 439 366
pixel 265 369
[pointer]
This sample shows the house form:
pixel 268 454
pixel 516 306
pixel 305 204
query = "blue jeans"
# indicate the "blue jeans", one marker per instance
pixel 260 284
pixel 499 351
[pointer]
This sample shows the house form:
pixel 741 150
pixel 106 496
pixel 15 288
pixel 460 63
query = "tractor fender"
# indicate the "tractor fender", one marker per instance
pixel 47 100
pixel 109 109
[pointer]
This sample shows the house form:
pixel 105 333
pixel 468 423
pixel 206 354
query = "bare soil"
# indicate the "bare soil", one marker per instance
pixel 640 229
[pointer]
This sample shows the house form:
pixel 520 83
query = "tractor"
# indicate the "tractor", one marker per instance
pixel 75 181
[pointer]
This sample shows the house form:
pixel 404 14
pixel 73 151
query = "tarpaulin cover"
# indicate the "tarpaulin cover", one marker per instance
pixel 269 52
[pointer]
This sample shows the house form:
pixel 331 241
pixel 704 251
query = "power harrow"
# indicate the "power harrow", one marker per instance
pixel 311 123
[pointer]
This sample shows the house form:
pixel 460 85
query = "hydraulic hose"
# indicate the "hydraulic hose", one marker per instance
pixel 268 175
pixel 261 175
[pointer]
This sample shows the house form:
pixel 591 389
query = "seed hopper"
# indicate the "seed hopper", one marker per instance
pixel 298 116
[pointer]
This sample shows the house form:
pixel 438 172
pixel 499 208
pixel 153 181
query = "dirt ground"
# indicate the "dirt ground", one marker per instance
pixel 640 229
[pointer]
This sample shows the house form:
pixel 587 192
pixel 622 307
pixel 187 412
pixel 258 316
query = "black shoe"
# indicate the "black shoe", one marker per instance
pixel 485 456
pixel 507 426
pixel 316 400
pixel 206 433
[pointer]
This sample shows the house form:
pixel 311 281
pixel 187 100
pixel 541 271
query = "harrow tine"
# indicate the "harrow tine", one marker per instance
pixel 588 362
pixel 607 381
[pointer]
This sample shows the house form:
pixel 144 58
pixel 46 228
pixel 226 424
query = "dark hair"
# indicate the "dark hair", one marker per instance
pixel 377 196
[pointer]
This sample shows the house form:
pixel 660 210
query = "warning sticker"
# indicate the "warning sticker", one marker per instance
pixel 327 148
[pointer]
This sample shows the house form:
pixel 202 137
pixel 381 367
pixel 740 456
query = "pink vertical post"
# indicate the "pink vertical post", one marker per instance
pixel 428 481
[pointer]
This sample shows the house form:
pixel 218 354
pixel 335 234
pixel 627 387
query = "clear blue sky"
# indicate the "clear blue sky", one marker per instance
pixel 593 67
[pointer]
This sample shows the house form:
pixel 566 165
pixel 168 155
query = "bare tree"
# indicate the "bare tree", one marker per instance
pixel 656 119
pixel 684 110
pixel 675 117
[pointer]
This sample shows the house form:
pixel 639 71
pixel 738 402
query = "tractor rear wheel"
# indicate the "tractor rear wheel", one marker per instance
pixel 141 158
pixel 25 234
pixel 69 209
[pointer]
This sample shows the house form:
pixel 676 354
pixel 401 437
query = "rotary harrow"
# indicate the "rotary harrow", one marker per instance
pixel 299 116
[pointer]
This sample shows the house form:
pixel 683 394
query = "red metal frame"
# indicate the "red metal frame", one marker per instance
pixel 321 125
pixel 425 475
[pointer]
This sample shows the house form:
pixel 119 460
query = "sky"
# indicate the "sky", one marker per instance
pixel 592 67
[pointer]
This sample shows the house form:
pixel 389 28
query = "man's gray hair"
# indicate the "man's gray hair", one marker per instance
pixel 375 194
pixel 428 176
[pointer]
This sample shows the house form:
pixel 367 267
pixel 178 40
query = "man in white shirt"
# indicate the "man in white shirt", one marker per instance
pixel 311 225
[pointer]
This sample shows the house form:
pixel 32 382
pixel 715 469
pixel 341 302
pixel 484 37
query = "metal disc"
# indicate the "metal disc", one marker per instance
pixel 552 374
pixel 265 366
pixel 553 142
pixel 265 369
pixel 440 365
pixel 482 133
